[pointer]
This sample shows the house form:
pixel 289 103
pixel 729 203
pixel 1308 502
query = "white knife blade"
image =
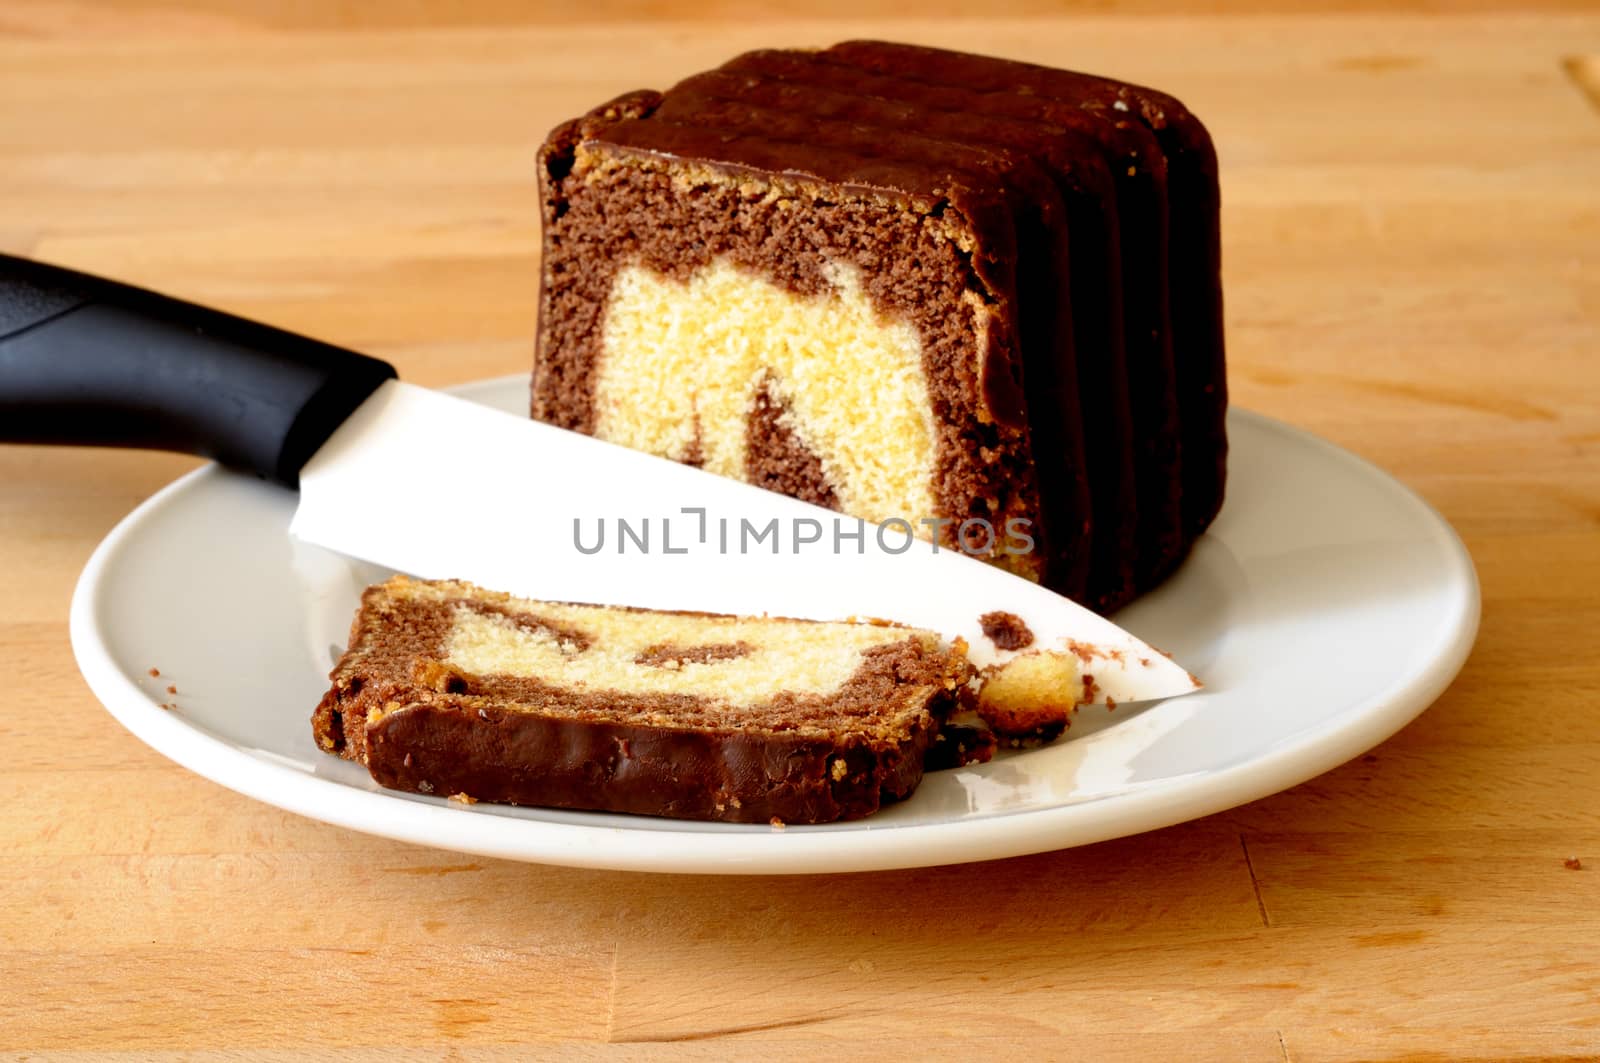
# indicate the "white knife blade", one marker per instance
pixel 442 488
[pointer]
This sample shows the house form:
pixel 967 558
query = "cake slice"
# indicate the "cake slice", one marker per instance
pixel 453 690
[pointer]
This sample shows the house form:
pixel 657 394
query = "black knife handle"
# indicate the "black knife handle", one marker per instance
pixel 90 361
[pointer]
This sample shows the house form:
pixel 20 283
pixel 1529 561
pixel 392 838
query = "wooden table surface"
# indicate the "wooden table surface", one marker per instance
pixel 1411 224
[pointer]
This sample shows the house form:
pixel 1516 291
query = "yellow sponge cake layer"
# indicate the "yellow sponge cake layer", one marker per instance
pixel 740 660
pixel 683 365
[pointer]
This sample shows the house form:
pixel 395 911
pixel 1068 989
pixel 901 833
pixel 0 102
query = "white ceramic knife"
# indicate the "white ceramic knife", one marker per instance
pixel 440 487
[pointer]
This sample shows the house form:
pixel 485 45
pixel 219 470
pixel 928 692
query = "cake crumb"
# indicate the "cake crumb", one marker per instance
pixel 1006 630
pixel 777 824
pixel 171 689
pixel 464 799
pixel 962 740
pixel 1111 703
pixel 155 672
pixel 1572 863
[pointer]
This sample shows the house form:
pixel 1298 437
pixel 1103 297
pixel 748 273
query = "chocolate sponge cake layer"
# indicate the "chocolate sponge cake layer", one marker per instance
pixel 1195 241
pixel 873 299
pixel 451 690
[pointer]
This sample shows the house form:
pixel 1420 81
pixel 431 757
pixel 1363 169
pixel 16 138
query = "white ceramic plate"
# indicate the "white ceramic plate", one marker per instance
pixel 1326 608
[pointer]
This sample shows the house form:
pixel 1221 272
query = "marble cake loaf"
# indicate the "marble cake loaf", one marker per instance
pixel 452 690
pixel 904 283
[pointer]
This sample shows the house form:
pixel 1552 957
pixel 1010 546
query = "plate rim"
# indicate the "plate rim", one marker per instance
pixel 797 850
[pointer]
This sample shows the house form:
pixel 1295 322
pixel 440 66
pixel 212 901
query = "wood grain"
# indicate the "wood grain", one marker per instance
pixel 1410 242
